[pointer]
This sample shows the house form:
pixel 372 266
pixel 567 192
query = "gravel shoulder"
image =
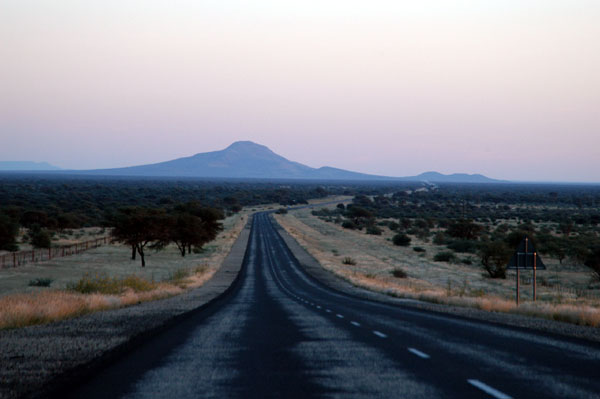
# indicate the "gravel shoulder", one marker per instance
pixel 314 269
pixel 36 361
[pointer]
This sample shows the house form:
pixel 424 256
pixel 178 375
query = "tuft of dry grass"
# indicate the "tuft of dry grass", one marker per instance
pixel 91 294
pixel 21 310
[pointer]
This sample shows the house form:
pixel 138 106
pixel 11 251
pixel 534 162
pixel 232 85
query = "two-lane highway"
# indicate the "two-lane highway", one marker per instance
pixel 280 333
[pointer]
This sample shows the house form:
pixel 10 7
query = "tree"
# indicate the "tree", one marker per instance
pixel 494 257
pixel 593 262
pixel 465 229
pixel 140 227
pixel 39 238
pixel 9 230
pixel 194 226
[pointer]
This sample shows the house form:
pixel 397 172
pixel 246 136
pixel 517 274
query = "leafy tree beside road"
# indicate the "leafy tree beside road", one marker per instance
pixel 8 234
pixel 140 227
pixel 188 225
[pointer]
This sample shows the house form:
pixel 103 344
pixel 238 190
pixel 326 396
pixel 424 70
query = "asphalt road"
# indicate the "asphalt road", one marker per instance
pixel 281 334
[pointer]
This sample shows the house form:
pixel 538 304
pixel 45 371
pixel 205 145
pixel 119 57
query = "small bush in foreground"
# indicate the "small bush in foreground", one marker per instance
pixel 348 261
pixel 399 273
pixel 374 230
pixel 418 249
pixel 40 282
pixel 445 256
pixel 180 274
pixel 401 240
pixel 103 284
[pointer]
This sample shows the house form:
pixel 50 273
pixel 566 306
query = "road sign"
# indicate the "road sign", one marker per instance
pixel 526 258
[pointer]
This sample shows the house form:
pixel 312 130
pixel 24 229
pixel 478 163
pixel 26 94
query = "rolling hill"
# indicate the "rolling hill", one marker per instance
pixel 245 159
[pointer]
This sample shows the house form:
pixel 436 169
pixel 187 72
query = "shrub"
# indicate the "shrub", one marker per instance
pixel 440 239
pixel 282 211
pixel 418 249
pixel 494 257
pixel 399 273
pixel 40 238
pixel 103 284
pixel 401 240
pixel 374 230
pixel 444 256
pixel 40 282
pixel 393 226
pixel 348 261
pixel 348 224
pixel 180 274
pixel 463 246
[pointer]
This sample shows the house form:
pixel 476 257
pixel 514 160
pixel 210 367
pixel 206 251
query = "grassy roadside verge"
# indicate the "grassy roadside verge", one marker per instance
pixel 93 292
pixel 372 263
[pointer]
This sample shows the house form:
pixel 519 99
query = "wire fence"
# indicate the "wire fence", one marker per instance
pixel 20 258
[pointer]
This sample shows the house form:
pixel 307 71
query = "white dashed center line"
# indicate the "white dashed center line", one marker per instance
pixel 417 352
pixel 339 316
pixel 355 323
pixel 489 390
pixel 328 311
pixel 318 307
pixel 379 334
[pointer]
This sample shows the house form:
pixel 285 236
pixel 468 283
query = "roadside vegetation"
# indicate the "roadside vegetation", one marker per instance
pixel 461 243
pixel 103 278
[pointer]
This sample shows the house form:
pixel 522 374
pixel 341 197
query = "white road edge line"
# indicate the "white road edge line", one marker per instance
pixel 355 323
pixel 489 390
pixel 379 334
pixel 417 352
pixel 339 316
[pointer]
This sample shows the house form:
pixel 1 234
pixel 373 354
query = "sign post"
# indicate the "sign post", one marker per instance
pixel 526 258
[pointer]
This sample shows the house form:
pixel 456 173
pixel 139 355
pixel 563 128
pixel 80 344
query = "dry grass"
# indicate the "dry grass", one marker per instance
pixel 438 282
pixel 91 294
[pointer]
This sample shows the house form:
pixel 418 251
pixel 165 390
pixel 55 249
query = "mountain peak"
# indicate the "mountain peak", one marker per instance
pixel 247 146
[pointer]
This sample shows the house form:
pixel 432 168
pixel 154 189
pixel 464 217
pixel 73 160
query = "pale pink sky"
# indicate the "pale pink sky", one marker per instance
pixel 507 88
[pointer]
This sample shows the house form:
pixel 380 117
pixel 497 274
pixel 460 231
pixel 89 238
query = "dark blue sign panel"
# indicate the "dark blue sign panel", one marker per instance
pixel 526 257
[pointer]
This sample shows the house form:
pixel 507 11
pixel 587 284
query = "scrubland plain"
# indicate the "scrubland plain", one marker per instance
pixel 376 259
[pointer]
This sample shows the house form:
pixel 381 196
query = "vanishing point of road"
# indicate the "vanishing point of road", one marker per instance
pixel 281 334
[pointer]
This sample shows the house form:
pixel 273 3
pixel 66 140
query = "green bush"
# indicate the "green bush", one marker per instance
pixel 418 249
pixel 349 224
pixel 40 282
pixel 445 256
pixel 401 240
pixel 399 273
pixel 463 246
pixel 40 238
pixel 374 230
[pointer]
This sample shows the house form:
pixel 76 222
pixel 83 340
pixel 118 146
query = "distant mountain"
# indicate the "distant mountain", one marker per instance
pixel 26 165
pixel 242 159
pixel 245 159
